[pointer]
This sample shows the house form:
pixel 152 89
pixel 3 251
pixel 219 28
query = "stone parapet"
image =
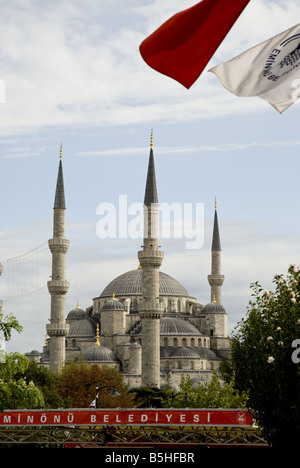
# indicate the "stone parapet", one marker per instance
pixel 58 286
pixel 57 329
pixel 150 258
pixel 58 245
pixel 151 310
pixel 215 280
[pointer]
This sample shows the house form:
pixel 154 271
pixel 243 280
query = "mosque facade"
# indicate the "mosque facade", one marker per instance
pixel 144 323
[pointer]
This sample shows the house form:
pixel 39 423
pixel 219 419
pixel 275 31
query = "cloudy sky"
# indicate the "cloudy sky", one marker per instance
pixel 73 75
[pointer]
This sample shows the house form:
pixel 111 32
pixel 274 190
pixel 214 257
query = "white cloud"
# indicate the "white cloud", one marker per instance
pixel 72 63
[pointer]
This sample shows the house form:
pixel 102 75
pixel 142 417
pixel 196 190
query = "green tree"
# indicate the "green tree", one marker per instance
pixel 45 380
pixel 262 358
pixel 77 386
pixel 7 324
pixel 148 397
pixel 211 394
pixel 15 392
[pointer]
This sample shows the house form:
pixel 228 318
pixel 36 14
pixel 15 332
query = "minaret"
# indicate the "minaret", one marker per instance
pixel 150 258
pixel 216 279
pixel 58 286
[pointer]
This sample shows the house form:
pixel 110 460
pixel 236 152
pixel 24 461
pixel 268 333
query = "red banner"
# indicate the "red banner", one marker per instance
pixel 131 417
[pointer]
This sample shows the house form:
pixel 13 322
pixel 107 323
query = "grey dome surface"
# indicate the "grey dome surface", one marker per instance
pixel 82 328
pixel 130 284
pixel 187 352
pixel 213 308
pixel 113 304
pixel 76 314
pixel 176 326
pixel 99 354
pixel 179 352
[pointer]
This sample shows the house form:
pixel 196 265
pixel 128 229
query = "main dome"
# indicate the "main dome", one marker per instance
pixel 130 284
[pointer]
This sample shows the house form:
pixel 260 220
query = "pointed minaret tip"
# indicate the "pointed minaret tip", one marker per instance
pixel 59 201
pixel 151 190
pixel 216 242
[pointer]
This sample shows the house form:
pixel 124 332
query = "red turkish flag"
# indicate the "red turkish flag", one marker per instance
pixel 182 46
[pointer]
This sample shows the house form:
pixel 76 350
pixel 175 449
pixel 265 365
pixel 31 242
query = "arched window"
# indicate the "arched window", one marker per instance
pixel 165 341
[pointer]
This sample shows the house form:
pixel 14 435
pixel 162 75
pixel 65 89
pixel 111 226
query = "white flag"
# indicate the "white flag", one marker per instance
pixel 270 70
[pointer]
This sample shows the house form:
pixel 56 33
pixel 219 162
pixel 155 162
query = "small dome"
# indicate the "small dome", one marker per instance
pixel 76 314
pixel 82 328
pixel 100 353
pixel 113 304
pixel 213 308
pixel 176 326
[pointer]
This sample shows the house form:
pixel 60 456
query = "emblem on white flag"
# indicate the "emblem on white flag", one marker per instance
pixel 270 70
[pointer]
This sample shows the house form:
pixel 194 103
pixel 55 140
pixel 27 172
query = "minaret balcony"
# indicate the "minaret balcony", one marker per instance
pixel 58 245
pixel 151 310
pixel 215 280
pixel 57 329
pixel 150 258
pixel 58 286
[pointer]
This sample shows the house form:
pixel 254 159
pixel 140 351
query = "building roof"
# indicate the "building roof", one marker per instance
pixel 99 354
pixel 176 326
pixel 76 314
pixel 187 352
pixel 130 284
pixel 83 328
pixel 113 304
pixel 213 308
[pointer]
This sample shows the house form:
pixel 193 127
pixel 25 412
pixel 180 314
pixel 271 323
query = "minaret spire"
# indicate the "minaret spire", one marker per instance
pixel 58 286
pixel 151 190
pixel 150 259
pixel 215 279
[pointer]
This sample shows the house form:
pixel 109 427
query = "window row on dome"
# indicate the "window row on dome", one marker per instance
pixel 186 341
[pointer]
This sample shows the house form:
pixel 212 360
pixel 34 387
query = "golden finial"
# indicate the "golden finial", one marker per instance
pixel 215 203
pixel 151 139
pixel 139 267
pixel 97 336
pixel 113 297
pixel 60 152
pixel 214 300
pixel 77 306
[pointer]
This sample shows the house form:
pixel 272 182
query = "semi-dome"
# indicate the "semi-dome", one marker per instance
pixel 98 353
pixel 213 308
pixel 130 284
pixel 179 352
pixel 82 328
pixel 176 326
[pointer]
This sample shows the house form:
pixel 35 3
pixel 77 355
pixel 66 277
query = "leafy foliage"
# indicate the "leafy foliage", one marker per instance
pixel 262 364
pixel 15 392
pixel 77 383
pixel 212 394
pixel 7 324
